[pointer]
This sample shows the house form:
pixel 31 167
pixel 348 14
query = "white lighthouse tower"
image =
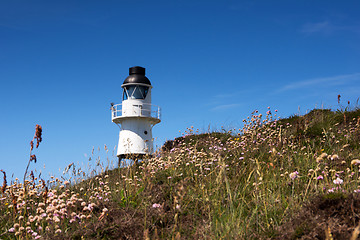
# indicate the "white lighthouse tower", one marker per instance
pixel 135 116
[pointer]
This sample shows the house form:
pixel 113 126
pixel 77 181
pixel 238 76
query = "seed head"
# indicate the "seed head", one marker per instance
pixel 38 133
pixel 33 158
pixel 3 188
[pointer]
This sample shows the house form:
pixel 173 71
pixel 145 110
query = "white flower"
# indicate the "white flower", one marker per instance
pixel 323 155
pixel 338 181
pixel 355 162
pixel 56 219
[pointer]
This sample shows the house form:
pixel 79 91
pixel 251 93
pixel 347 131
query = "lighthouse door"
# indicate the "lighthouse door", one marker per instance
pixel 137 110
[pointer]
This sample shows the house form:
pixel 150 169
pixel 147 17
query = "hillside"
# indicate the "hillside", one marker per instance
pixel 272 179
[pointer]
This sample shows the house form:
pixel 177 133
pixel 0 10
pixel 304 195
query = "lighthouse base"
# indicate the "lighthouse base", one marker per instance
pixel 135 138
pixel 134 157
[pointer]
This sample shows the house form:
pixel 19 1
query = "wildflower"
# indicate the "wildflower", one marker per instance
pixel 355 162
pixel 58 231
pixel 320 177
pixel 294 175
pixel 334 157
pixel 323 155
pixel 56 219
pixel 156 205
pixel 11 230
pixel 338 181
pixel 90 206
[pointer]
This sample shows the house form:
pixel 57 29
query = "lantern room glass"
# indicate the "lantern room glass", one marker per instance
pixel 135 92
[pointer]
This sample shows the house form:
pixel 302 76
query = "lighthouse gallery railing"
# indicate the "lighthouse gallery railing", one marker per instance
pixel 143 110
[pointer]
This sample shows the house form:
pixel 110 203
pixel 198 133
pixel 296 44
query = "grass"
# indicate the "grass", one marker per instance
pixel 266 180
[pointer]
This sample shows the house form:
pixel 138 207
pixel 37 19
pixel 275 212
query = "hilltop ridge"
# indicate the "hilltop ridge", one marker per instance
pixel 289 178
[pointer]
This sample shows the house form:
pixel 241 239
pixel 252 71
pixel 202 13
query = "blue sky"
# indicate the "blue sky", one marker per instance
pixel 211 63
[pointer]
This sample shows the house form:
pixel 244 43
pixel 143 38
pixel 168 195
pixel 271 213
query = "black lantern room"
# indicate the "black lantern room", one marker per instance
pixel 136 85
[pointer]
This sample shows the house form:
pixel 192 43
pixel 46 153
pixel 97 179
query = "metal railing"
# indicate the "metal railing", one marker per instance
pixel 136 110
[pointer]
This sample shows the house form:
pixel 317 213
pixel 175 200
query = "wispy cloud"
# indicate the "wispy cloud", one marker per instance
pixel 326 27
pixel 319 27
pixel 335 80
pixel 225 106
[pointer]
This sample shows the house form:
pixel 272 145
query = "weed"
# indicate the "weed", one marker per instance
pixel 273 178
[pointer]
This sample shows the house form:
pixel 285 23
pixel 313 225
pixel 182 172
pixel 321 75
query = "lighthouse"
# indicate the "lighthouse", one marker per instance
pixel 135 116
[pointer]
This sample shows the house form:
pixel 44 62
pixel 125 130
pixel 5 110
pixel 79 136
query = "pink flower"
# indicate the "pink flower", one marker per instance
pixel 156 205
pixel 320 177
pixel 294 175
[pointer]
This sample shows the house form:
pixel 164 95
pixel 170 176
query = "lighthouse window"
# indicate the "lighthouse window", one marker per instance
pixel 125 95
pixel 135 92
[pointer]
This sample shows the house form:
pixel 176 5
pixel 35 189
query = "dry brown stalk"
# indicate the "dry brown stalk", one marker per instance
pixel 14 202
pixel 45 193
pixel 3 188
pixel 328 235
pixel 355 233
pixel 38 138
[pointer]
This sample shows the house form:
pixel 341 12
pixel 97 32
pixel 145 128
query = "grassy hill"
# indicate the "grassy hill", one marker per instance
pixel 272 179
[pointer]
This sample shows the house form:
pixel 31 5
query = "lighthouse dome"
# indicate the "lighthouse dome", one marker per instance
pixel 137 76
